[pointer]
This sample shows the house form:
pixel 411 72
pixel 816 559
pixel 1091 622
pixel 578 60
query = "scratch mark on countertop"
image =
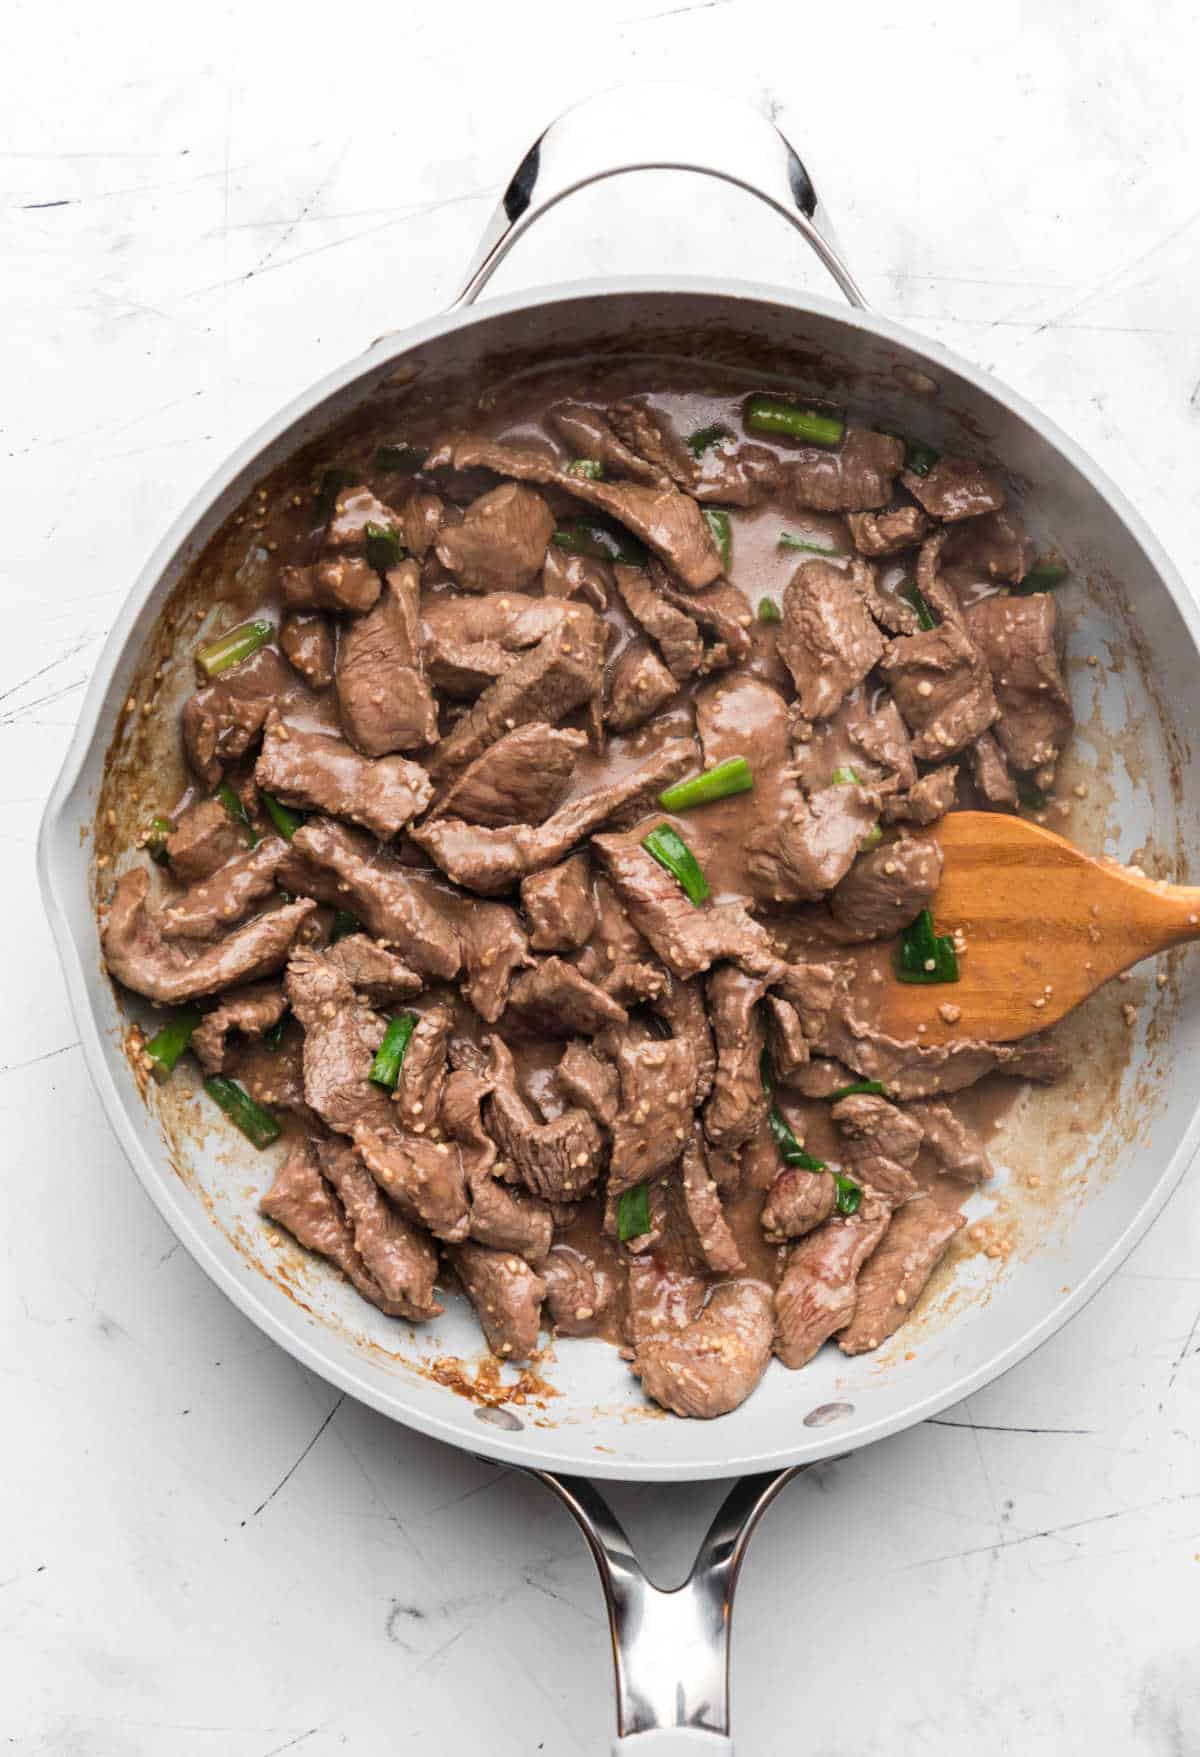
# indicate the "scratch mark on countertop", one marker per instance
pixel 1056 1531
pixel 51 665
pixel 985 1427
pixel 1106 281
pixel 1182 1355
pixel 12 715
pixel 290 1473
pixel 30 207
pixel 676 11
pixel 291 1744
pixel 46 1055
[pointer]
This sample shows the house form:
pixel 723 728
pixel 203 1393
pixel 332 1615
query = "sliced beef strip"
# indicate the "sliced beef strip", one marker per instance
pixel 726 473
pixel 894 1277
pixel 818 1292
pixel 664 1287
pixel 558 906
pixel 993 544
pixel 512 620
pixel 856 477
pixel 586 1080
pixel 507 1219
pixel 738 1102
pixel 639 684
pixel 801 855
pixel 418 1093
pixel 339 866
pixel 926 800
pixel 342 582
pixel 493 946
pixel 893 1182
pixel 650 436
pixel 577 576
pixel 955 488
pixel 559 1160
pixel 821 1077
pixel 590 434
pixel 789 1045
pixel 870 1126
pixel 326 774
pixel 1017 638
pixel 341 1036
pixel 274 1077
pixel 249 1011
pixel 137 954
pixel 942 688
pixel 827 639
pixel 460 671
pixel 658 1087
pixel 887 888
pixel 712 1365
pixel 912 1070
pixel 668 522
pixel 424 1178
pixel 675 631
pixel 955 1148
pixel 354 508
pixel 379 975
pixel 203 840
pixel 402 1260
pixel 554 999
pixel 521 779
pixel 797 1203
pixel 507 1295
pixel 218 902
pixel 307 641
pixel 489 861
pixel 302 1203
pixel 681 1005
pixel 887 533
pixel 221 721
pixel 501 543
pixel 715 1243
pixel 723 611
pixel 881 749
pixel 993 780
pixel 383 698
pixel 581 1291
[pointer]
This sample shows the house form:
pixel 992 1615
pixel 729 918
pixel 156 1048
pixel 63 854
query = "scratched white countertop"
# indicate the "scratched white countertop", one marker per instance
pixel 204 1551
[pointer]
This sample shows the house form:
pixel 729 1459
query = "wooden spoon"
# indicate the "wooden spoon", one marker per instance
pixel 1043 927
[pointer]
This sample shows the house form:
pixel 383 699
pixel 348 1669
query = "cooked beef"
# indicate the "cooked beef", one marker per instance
pixel 507 1219
pixel 558 906
pixel 827 640
pixel 501 543
pixel 894 1277
pixel 712 1365
pixel 274 1076
pixel 590 435
pixel 658 1084
pixel 676 632
pixel 993 781
pixel 880 749
pixel 639 684
pixel 818 1292
pixel 789 1045
pixel 955 488
pixel 887 533
pixel 249 1011
pixel 138 955
pixel 493 946
pixel 994 544
pixel 871 1126
pixel 822 1076
pixel 327 774
pixel 911 1070
pixel 215 903
pixel 887 888
pixel 954 1147
pixel 715 1243
pixel 1017 638
pixel 221 721
pixel 942 688
pixel 926 800
pixel 341 583
pixel 355 508
pixel 722 611
pixel 514 621
pixel 577 576
pixel 424 1178
pixel 506 1293
pixel 203 840
pixel 857 477
pixel 726 473
pixel 798 856
pixel 402 1260
pixel 555 1000
pixel 681 1005
pixel 418 1093
pixel 307 640
pixel 738 1102
pixel 385 703
pixel 302 1203
pixel 341 1035
pixel 581 1291
pixel 379 975
pixel 558 1160
pixel 797 1203
pixel 650 436
pixel 584 1079
pixel 687 939
pixel 520 779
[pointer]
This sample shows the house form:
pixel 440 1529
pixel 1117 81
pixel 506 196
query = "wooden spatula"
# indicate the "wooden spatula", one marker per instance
pixel 1042 924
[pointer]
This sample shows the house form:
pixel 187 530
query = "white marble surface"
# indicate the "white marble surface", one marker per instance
pixel 203 1552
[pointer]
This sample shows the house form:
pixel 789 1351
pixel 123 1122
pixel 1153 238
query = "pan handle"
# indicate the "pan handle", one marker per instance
pixel 670 1649
pixel 658 128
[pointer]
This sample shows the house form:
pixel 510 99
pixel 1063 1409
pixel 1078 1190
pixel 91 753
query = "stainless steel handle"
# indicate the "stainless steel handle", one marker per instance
pixel 670 1649
pixel 658 128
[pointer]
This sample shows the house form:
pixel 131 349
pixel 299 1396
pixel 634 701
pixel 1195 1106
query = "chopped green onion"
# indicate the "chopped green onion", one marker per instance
pixel 788 541
pixel 860 1088
pixel 1031 797
pixel 872 839
pixel 343 924
pixel 776 415
pixel 384 548
pixel 257 1124
pixel 920 603
pixel 919 458
pixel 925 956
pixel 789 1146
pixel 591 469
pixel 400 459
pixel 601 542
pixel 237 811
pixel 731 776
pixel 1047 572
pixel 332 483
pixel 389 1057
pixel 717 520
pixel 230 649
pixel 155 839
pixel 273 1035
pixel 845 777
pixel 285 821
pixel 670 850
pixel 633 1213
pixel 169 1043
pixel 703 437
pixel 849 1194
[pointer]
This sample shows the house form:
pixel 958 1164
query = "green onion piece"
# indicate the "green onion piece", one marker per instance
pixel 670 850
pixel 257 1124
pixel 591 469
pixel 601 542
pixel 919 458
pixel 920 603
pixel 731 776
pixel 793 421
pixel 273 1035
pixel 788 541
pixel 230 649
pixel 789 1146
pixel 769 611
pixel 169 1043
pixel 875 1088
pixel 703 437
pixel 1031 797
pixel 343 923
pixel 872 839
pixel 155 839
pixel 285 821
pixel 1047 572
pixel 717 520
pixel 384 548
pixel 925 956
pixel 845 777
pixel 849 1194
pixel 332 483
pixel 237 811
pixel 400 459
pixel 633 1213
pixel 389 1057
